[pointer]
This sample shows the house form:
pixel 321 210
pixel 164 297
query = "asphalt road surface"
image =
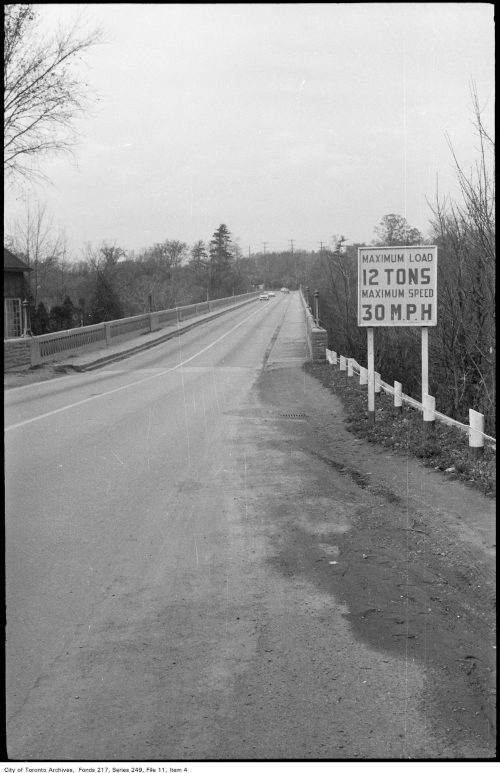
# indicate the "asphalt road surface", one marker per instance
pixel 165 526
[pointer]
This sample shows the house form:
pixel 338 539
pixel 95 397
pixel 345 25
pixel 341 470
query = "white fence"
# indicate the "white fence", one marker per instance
pixel 477 437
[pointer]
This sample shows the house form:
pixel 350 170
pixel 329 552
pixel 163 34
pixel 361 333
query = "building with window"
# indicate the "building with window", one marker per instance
pixel 15 315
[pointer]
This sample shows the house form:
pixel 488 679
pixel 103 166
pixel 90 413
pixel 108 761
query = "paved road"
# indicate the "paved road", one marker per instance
pixel 202 564
pixel 121 504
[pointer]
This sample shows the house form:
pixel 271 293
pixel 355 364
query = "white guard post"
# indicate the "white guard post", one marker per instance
pixel 398 396
pixel 429 405
pixel 476 436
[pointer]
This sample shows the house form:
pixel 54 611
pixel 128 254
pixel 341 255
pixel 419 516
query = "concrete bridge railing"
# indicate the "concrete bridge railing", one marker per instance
pixel 317 337
pixel 34 350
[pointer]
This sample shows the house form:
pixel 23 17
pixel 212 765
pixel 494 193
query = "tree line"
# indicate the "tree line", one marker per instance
pixel 462 348
pixel 109 282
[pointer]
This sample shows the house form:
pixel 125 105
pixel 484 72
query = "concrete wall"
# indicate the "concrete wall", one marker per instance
pixel 317 337
pixel 16 352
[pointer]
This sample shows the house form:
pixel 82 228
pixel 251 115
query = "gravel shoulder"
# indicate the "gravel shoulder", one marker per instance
pixel 26 375
pixel 414 566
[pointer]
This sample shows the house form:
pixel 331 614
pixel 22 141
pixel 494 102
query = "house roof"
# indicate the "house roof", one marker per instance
pixel 13 263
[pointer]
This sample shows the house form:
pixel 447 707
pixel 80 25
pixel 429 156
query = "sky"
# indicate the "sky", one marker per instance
pixel 290 123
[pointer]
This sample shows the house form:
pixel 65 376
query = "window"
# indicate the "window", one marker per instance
pixel 12 318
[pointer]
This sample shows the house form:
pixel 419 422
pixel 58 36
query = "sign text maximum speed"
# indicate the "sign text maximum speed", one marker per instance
pixel 397 286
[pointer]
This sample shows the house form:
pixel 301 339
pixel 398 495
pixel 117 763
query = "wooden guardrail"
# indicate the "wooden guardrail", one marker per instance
pixel 475 428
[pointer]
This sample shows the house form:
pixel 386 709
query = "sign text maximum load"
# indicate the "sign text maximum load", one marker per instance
pixel 397 286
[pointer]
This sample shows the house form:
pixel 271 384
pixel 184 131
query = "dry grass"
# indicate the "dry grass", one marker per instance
pixel 442 448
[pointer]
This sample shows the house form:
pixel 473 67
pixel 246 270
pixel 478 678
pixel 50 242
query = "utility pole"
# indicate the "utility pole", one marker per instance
pixel 249 251
pixel 266 265
pixel 321 249
pixel 295 265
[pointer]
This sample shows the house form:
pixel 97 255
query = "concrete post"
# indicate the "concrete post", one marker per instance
pixel 26 319
pixel 398 396
pixel 429 405
pixel 476 437
pixel 35 357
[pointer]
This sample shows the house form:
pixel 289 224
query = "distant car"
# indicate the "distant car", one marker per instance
pixel 272 295
pixel 264 297
pixel 285 290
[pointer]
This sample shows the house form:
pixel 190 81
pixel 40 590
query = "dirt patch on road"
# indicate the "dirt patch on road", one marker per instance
pixel 35 374
pixel 415 569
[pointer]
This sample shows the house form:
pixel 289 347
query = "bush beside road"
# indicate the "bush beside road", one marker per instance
pixel 446 450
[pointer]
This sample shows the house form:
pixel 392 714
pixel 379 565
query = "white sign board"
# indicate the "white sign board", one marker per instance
pixel 397 286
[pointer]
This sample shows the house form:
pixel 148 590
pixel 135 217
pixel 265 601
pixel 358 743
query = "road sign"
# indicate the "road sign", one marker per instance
pixel 397 286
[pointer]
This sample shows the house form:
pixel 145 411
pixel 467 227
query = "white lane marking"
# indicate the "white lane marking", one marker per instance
pixel 135 383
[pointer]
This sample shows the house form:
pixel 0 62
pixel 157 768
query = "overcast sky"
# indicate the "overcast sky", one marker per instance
pixel 286 122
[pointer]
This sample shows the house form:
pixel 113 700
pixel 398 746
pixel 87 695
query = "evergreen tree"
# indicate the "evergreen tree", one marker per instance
pixel 199 265
pixel 105 304
pixel 40 320
pixel 57 318
pixel 69 313
pixel 221 262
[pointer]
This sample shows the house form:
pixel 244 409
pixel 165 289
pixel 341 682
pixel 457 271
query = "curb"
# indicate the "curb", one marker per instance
pixel 116 356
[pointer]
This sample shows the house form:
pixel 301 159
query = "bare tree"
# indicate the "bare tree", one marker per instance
pixel 35 240
pixel 42 90
pixel 465 234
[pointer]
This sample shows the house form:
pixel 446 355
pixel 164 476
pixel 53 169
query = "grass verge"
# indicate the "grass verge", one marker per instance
pixel 444 448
